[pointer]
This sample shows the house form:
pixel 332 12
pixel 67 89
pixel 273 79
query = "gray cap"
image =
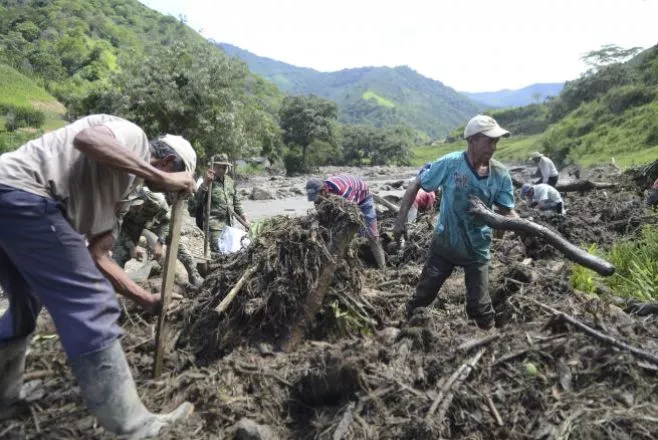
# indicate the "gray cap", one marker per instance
pixel 313 188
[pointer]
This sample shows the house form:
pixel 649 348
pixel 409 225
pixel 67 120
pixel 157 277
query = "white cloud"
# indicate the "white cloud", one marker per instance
pixel 471 45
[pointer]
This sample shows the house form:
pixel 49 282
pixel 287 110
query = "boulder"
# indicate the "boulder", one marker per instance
pixel 260 194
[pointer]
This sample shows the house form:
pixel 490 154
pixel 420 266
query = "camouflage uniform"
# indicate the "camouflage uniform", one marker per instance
pixel 155 216
pixel 224 194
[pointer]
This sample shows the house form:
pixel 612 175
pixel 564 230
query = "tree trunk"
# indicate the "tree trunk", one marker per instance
pixel 571 251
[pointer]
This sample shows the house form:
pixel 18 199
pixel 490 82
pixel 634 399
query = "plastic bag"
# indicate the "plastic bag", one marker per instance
pixel 232 240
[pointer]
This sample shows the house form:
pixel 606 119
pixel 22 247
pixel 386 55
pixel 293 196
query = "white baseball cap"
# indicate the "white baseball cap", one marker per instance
pixel 486 125
pixel 183 148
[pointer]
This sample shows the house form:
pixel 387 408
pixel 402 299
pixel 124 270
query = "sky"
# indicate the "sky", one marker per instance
pixel 470 45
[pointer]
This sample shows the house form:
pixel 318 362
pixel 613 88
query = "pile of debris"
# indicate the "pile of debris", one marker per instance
pixel 559 364
pixel 272 291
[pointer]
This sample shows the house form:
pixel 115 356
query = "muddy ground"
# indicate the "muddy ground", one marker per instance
pixel 363 371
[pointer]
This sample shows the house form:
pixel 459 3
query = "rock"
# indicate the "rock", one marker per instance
pixel 397 184
pixel 260 194
pixel 298 191
pixel 247 429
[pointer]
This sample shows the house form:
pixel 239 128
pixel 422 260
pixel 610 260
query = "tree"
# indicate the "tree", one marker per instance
pixel 365 144
pixel 608 54
pixel 184 90
pixel 305 119
pixel 536 96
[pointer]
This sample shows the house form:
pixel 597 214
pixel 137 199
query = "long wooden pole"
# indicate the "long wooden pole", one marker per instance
pixel 168 278
pixel 206 217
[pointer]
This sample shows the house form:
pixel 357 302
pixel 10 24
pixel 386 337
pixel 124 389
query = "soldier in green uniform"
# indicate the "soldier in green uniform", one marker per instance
pixel 149 210
pixel 224 196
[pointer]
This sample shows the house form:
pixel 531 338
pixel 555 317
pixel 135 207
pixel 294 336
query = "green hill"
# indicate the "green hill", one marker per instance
pixel 610 112
pixel 80 49
pixel 17 90
pixel 380 96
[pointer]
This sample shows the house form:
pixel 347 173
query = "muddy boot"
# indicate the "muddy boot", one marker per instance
pixel 12 367
pixel 109 391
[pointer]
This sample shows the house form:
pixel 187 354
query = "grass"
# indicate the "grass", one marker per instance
pixel 594 134
pixel 380 100
pixel 512 149
pixel 636 263
pixel 19 90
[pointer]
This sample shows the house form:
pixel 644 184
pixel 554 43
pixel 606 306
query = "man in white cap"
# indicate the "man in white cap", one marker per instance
pixel 56 192
pixel 546 170
pixel 460 240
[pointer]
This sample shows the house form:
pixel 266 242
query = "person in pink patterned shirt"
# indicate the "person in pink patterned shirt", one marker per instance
pixel 354 189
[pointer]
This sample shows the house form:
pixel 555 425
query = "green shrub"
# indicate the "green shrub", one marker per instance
pixel 622 98
pixel 636 264
pixel 22 117
pixel 292 161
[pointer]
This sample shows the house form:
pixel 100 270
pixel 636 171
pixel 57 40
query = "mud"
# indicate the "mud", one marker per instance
pixel 363 371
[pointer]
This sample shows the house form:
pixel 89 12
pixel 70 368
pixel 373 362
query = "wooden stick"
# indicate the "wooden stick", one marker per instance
pixel 598 335
pixel 168 283
pixel 206 224
pixel 494 411
pixel 571 251
pixel 477 343
pixel 457 377
pixel 383 201
pixel 234 291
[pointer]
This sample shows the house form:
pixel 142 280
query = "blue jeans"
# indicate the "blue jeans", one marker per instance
pixel 367 208
pixel 44 261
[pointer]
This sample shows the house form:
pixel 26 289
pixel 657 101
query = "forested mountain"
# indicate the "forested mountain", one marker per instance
pixel 380 96
pixel 532 94
pixel 111 55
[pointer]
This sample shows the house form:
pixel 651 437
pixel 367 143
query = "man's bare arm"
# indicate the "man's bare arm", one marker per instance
pixel 100 247
pixel 405 205
pixel 98 143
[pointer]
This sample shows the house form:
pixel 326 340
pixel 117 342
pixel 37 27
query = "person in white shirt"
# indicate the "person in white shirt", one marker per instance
pixel 546 170
pixel 543 197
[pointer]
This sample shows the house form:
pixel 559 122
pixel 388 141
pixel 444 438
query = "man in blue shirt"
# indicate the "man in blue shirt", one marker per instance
pixel 459 239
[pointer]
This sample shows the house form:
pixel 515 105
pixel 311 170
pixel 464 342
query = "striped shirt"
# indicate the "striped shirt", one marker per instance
pixel 349 187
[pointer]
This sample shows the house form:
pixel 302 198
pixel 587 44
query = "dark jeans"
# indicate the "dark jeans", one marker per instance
pixel 437 270
pixel 44 261
pixel 551 181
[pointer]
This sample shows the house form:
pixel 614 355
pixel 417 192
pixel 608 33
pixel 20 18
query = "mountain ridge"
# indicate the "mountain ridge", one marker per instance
pixel 377 95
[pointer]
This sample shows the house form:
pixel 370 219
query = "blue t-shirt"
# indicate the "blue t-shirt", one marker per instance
pixel 464 239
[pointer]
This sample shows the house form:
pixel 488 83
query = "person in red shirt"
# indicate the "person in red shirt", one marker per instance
pixel 424 202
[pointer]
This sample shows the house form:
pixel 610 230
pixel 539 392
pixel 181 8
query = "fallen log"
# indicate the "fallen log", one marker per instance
pixel 577 186
pixel 571 251
pixel 584 185
pixel 386 203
